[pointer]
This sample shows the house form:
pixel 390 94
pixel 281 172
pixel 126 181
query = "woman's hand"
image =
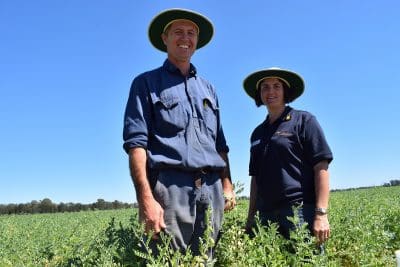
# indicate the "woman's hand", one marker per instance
pixel 321 228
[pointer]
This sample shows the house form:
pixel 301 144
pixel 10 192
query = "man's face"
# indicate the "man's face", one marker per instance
pixel 181 40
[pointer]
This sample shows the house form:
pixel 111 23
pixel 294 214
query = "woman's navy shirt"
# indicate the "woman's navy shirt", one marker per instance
pixel 282 157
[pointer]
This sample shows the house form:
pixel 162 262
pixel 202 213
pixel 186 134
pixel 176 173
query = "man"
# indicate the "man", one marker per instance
pixel 172 132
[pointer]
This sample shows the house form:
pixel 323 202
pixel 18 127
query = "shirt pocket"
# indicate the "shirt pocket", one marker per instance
pixel 285 139
pixel 210 116
pixel 170 116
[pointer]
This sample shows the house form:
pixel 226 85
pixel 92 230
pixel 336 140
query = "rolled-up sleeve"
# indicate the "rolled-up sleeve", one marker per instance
pixel 137 114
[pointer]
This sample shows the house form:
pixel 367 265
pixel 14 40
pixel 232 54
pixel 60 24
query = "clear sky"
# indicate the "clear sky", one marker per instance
pixel 66 69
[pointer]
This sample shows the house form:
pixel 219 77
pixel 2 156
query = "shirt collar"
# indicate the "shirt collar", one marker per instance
pixel 173 69
pixel 285 116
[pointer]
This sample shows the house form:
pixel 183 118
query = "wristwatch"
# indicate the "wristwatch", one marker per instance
pixel 321 211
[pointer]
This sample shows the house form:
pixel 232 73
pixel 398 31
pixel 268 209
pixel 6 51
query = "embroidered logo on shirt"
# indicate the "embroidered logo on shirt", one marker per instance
pixel 205 104
pixel 283 133
pixel 255 142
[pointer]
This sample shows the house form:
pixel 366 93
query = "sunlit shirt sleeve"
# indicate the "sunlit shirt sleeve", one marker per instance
pixel 137 116
pixel 316 147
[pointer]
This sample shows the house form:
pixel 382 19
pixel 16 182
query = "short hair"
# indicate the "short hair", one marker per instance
pixel 287 94
pixel 166 30
pixel 168 26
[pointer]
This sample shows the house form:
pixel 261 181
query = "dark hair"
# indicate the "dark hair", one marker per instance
pixel 287 94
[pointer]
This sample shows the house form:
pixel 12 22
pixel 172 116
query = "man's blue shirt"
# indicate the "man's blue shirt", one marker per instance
pixel 176 119
pixel 283 155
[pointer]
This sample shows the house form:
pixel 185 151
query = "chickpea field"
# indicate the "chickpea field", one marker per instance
pixel 365 225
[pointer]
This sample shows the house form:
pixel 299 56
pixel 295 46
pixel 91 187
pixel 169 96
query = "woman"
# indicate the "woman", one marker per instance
pixel 289 157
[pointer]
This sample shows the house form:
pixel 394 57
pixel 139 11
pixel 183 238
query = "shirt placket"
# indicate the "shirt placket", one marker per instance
pixel 194 116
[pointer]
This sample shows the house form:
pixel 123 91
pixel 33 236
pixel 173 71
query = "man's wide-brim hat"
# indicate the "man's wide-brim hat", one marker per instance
pixel 293 80
pixel 162 20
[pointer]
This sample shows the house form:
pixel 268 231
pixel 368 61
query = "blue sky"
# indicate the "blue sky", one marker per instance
pixel 66 69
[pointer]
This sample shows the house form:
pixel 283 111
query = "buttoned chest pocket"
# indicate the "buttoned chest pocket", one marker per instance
pixel 170 116
pixel 210 116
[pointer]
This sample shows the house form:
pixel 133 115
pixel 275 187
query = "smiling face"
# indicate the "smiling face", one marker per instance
pixel 272 93
pixel 181 40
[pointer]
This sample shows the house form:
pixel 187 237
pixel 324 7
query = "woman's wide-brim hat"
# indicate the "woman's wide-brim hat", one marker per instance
pixel 294 81
pixel 159 23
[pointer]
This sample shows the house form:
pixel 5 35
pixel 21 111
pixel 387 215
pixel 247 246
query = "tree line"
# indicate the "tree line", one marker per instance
pixel 390 183
pixel 47 206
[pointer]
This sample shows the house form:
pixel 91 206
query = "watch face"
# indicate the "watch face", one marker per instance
pixel 321 210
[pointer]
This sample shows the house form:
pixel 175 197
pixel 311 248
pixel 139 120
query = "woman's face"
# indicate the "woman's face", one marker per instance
pixel 272 93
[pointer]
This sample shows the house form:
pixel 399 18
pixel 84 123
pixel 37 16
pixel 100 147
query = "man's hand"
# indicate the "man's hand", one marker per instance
pixel 152 215
pixel 229 194
pixel 230 199
pixel 150 211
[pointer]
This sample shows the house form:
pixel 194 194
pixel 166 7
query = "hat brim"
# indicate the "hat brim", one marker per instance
pixel 156 28
pixel 295 81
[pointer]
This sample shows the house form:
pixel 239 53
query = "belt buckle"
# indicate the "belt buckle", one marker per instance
pixel 197 178
pixel 203 171
pixel 197 182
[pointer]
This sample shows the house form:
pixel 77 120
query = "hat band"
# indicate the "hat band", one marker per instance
pixel 262 79
pixel 172 21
